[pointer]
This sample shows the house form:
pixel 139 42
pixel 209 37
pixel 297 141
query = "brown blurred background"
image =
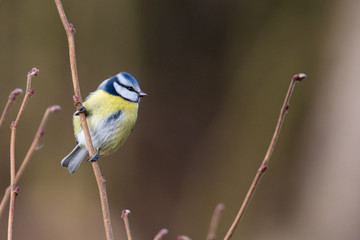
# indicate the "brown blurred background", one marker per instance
pixel 216 73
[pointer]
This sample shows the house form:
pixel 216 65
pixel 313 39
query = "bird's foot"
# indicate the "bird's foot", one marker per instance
pixel 81 109
pixel 95 157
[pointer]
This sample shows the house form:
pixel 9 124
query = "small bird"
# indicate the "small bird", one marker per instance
pixel 111 112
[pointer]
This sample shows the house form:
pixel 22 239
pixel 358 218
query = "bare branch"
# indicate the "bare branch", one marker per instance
pixel 70 30
pixel 215 221
pixel 40 132
pixel 12 210
pixel 265 162
pixel 10 101
pixel 29 93
pixel 124 216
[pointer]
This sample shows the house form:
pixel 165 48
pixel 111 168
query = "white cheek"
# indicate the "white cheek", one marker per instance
pixel 132 96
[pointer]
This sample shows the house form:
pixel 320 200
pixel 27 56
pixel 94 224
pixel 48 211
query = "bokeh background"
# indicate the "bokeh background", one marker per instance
pixel 216 73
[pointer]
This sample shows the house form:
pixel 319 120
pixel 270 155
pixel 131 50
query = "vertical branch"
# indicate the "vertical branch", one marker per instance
pixel 29 93
pixel 10 101
pixel 70 30
pixel 265 162
pixel 11 211
pixel 124 216
pixel 215 221
pixel 12 181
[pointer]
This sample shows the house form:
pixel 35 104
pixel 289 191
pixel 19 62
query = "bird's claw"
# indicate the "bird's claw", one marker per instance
pixel 95 157
pixel 81 109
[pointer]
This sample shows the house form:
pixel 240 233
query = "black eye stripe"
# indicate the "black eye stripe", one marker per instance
pixel 127 87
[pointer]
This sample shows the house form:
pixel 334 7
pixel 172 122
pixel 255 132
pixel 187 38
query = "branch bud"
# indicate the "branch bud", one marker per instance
pixel 41 133
pixel 299 77
pixel 14 93
pixel 263 168
pixel 16 190
pixel 72 28
pixel 125 212
pixel 33 72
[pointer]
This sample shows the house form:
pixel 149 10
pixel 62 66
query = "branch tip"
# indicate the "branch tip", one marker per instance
pixel 220 206
pixel 54 108
pixel 161 233
pixel 299 77
pixel 215 221
pixel 14 93
pixel 264 165
pixel 125 213
pixel 33 72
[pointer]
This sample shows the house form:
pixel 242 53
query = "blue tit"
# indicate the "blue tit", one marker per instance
pixel 111 112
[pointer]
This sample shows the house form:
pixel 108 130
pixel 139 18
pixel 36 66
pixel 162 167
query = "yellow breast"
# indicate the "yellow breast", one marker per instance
pixel 110 119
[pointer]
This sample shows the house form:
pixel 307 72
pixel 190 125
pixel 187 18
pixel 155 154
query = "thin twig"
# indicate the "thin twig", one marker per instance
pixel 124 216
pixel 265 162
pixel 215 221
pixel 29 93
pixel 40 132
pixel 10 101
pixel 100 180
pixel 160 234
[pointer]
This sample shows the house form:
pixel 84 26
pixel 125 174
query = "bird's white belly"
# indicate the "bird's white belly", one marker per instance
pixel 102 131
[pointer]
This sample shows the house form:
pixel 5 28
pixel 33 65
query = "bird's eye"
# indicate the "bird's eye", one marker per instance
pixel 130 88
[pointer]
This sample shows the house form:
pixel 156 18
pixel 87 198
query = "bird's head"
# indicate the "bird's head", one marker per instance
pixel 123 85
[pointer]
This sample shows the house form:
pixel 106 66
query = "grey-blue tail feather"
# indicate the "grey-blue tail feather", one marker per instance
pixel 74 159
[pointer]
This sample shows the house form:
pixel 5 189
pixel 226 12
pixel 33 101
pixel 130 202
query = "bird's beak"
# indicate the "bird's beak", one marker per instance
pixel 142 94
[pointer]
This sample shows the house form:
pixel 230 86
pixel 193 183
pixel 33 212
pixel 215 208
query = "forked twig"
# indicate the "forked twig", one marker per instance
pixel 70 30
pixel 215 221
pixel 160 234
pixel 40 132
pixel 10 101
pixel 29 93
pixel 264 164
pixel 124 216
